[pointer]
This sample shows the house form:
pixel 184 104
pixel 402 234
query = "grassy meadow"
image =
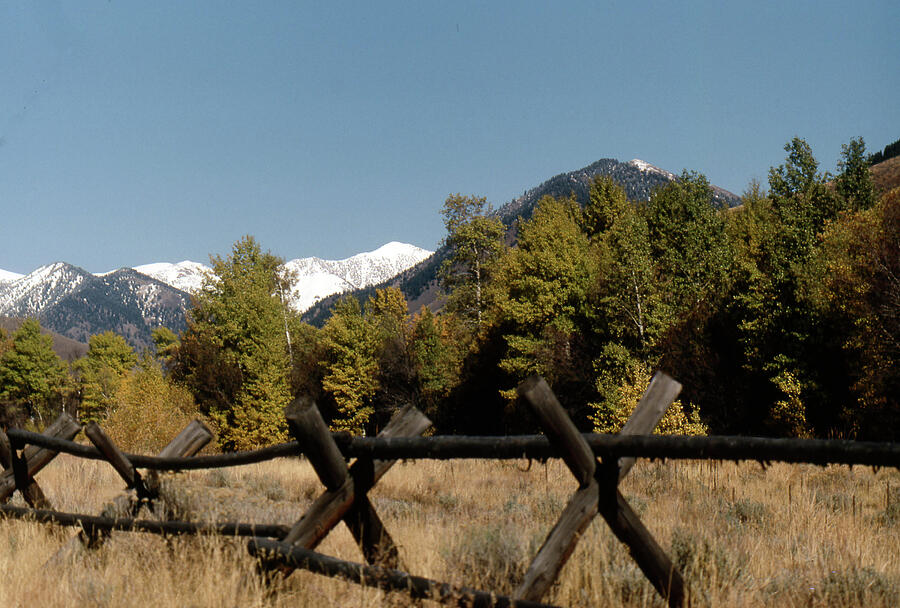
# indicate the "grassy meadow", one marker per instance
pixel 744 536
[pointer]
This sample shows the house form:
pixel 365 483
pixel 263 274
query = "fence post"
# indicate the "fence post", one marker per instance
pixel 306 424
pixel 337 504
pixel 35 458
pixel 187 443
pixel 117 459
pixel 598 492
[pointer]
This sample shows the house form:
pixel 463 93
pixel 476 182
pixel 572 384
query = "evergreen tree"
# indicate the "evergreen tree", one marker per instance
pixel 688 243
pixel 854 183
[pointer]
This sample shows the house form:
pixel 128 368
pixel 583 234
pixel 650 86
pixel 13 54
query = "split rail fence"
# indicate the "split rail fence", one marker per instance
pixel 598 463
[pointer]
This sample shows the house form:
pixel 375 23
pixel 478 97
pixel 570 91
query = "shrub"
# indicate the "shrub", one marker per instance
pixel 492 557
pixel 150 411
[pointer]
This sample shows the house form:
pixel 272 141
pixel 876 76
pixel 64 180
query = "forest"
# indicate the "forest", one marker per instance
pixel 781 317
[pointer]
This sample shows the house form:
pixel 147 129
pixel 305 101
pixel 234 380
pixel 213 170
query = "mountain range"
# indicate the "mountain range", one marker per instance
pixel 134 301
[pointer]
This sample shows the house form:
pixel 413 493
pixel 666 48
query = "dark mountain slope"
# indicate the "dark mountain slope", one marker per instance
pixel 419 283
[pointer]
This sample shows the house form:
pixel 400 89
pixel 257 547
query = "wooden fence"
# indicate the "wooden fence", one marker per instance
pixel 280 548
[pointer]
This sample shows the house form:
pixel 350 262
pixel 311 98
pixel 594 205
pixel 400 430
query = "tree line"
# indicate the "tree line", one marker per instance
pixel 780 317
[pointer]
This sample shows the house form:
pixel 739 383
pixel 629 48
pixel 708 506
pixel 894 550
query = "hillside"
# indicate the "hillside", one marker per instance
pixel 66 348
pixel 419 283
pixel 77 304
pixel 886 174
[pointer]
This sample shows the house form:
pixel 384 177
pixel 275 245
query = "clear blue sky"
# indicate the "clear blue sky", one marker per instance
pixel 137 132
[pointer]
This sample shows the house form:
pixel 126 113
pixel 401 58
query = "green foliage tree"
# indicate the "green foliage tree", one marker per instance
pixel 165 343
pixel 854 182
pixel 475 239
pixel 109 358
pixel 437 349
pixel 627 306
pixel 388 314
pixel 351 346
pixel 234 354
pixel 32 376
pixel 542 290
pixel 688 242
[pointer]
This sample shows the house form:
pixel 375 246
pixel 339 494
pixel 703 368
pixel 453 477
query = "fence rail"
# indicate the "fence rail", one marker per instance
pixel 537 447
pixel 345 498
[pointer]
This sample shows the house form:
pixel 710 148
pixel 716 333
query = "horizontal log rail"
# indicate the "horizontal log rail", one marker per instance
pixel 383 578
pixel 447 447
pixel 92 524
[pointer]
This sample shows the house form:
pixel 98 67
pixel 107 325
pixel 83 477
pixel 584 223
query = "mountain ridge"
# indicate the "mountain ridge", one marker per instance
pixel 134 301
pixel 419 283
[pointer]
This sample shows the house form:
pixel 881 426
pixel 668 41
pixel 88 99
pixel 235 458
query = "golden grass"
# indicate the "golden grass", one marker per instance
pixel 733 529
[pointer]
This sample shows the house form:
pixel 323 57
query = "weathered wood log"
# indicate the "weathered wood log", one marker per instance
pixel 116 458
pixel 190 441
pixel 33 494
pixel 382 578
pixel 97 524
pixel 560 543
pixel 646 552
pixel 36 458
pixel 560 429
pixel 331 507
pixel 562 539
pixel 649 411
pixel 449 447
pixel 306 423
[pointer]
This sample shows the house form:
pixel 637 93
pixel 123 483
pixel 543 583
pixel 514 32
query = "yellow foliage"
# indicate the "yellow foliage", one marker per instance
pixel 674 422
pixel 149 412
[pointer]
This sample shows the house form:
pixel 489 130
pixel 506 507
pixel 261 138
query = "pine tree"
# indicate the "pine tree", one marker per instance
pixel 854 183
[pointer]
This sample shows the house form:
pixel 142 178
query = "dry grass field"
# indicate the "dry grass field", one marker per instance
pixel 744 536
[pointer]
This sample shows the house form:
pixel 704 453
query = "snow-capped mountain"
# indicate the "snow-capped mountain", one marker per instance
pixel 134 301
pixel 187 276
pixel 317 278
pixel 7 276
pixel 77 304
pixel 29 295
pixel 314 278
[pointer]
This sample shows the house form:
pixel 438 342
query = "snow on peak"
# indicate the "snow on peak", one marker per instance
pixel 7 276
pixel 185 275
pixel 317 278
pixel 648 168
pixel 314 278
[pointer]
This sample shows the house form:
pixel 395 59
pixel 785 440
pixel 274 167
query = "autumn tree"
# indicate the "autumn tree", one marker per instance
pixel 108 360
pixel 350 366
pixel 234 354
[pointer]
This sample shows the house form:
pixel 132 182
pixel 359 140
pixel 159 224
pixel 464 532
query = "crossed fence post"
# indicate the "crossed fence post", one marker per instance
pixel 346 487
pixel 187 443
pixel 598 492
pixel 20 469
